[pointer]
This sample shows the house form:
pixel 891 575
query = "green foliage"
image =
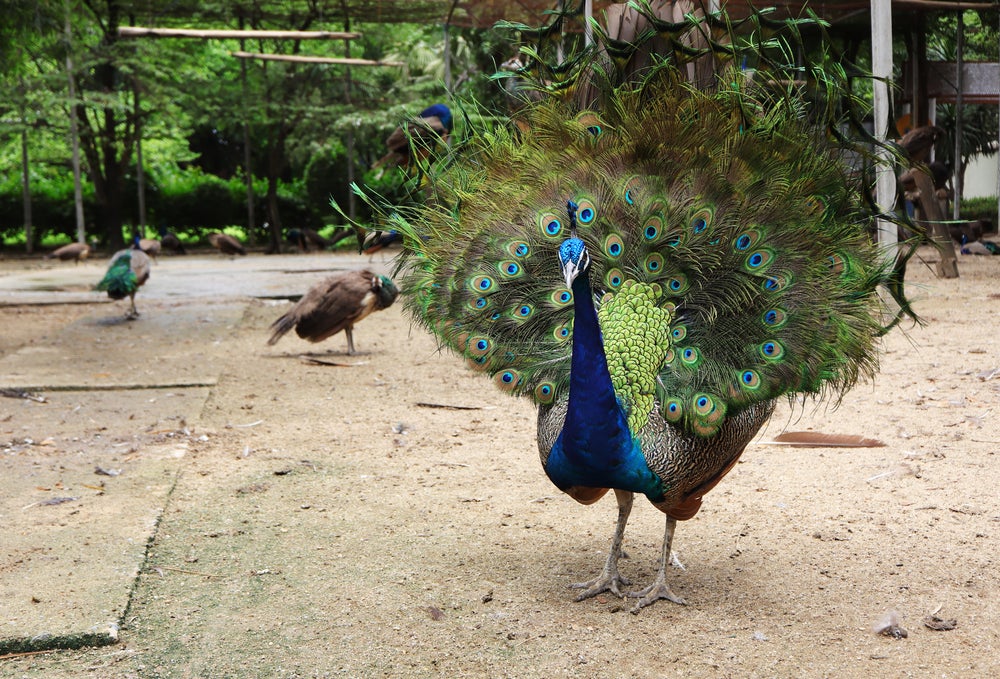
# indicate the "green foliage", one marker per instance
pixel 980 208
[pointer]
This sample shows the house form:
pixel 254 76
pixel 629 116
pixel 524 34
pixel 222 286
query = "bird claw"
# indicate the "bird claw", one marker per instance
pixel 610 580
pixel 654 592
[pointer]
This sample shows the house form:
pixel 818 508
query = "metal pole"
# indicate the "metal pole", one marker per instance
pixel 885 186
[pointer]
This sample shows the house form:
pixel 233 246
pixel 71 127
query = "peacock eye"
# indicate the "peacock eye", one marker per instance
pixel 553 227
pixel 743 242
pixel 699 225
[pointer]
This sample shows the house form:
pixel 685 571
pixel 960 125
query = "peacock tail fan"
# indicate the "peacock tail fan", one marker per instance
pixel 728 239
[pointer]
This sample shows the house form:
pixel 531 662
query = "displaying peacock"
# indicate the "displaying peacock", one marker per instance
pixel 336 303
pixel 128 270
pixel 655 264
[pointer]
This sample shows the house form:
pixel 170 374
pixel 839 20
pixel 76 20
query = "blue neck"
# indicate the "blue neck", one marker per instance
pixel 595 447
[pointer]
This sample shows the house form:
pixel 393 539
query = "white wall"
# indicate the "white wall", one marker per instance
pixel 981 177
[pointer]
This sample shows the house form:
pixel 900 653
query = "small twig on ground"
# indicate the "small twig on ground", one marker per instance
pixel 445 406
pixel 184 570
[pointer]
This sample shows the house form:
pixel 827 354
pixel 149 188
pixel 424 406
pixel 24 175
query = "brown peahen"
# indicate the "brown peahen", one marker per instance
pixel 226 244
pixel 77 252
pixel 334 304
pixel 654 263
pixel 128 270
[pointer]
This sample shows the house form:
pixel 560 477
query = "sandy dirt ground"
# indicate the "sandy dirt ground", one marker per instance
pixel 387 516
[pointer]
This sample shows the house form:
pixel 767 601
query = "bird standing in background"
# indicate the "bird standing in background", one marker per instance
pixel 226 244
pixel 419 135
pixel 919 142
pixel 150 246
pixel 334 304
pixel 170 241
pixel 127 272
pixel 304 238
pixel 654 267
pixel 78 252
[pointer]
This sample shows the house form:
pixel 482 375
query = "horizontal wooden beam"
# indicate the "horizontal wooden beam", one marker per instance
pixel 146 32
pixel 315 60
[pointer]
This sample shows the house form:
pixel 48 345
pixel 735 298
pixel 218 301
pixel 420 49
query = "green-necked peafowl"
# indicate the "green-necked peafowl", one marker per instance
pixel 334 304
pixel 654 267
pixel 127 272
pixel 418 135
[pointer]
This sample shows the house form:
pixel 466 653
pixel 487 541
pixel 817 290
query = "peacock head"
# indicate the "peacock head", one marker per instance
pixel 573 256
pixel 573 259
pixel 441 112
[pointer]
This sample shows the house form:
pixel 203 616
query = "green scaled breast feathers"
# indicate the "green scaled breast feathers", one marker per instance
pixel 729 250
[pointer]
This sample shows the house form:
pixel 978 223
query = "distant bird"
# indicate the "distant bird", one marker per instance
pixel 334 304
pixel 919 142
pixel 127 272
pixel 150 246
pixel 421 134
pixel 304 238
pixel 376 240
pixel 78 252
pixel 655 268
pixel 226 244
pixel 170 241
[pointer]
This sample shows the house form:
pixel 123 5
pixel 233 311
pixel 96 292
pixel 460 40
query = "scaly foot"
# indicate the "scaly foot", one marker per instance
pixel 656 591
pixel 610 580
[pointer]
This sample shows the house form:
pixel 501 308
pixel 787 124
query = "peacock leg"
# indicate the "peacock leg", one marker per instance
pixel 659 589
pixel 610 580
pixel 350 340
pixel 133 313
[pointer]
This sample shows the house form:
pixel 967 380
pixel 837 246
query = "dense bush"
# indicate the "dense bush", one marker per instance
pixel 187 201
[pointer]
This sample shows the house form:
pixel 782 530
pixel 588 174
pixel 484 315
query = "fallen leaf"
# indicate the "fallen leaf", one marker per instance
pixel 816 439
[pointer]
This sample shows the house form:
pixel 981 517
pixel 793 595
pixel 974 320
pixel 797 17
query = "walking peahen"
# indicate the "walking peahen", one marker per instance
pixel 127 272
pixel 334 304
pixel 655 264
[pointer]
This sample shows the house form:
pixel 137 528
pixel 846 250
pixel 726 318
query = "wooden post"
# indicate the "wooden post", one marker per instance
pixel 74 131
pixel 958 172
pixel 29 231
pixel 352 206
pixel 247 154
pixel 140 174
